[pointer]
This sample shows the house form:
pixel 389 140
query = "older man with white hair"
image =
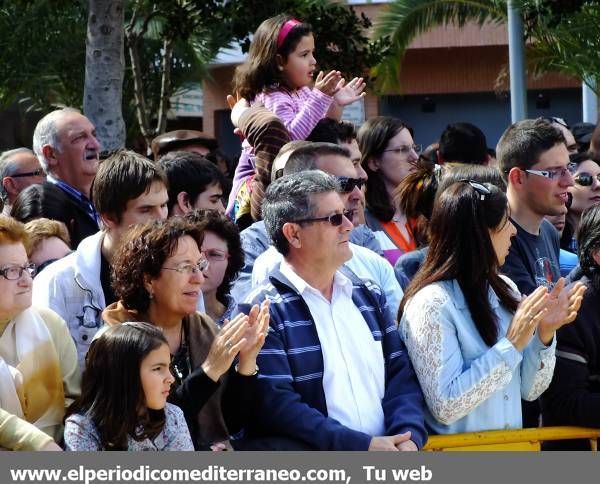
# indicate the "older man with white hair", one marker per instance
pixel 19 168
pixel 66 145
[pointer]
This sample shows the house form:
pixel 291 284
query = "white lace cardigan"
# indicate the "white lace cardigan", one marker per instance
pixel 468 385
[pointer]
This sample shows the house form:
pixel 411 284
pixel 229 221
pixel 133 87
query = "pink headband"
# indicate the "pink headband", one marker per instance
pixel 285 30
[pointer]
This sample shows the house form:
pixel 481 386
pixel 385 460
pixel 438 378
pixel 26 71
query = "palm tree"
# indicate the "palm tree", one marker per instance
pixel 562 36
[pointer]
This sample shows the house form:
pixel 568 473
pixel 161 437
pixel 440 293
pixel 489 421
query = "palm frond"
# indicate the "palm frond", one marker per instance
pixel 404 20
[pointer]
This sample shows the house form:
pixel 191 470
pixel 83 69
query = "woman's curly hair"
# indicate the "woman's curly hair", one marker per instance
pixel 142 253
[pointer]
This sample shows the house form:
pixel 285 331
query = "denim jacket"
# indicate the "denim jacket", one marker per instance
pixel 468 385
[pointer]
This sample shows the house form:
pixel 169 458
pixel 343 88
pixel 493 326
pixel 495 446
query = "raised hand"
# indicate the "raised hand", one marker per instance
pixel 351 92
pixel 328 83
pixel 563 304
pixel 225 346
pixel 527 318
pixel 255 334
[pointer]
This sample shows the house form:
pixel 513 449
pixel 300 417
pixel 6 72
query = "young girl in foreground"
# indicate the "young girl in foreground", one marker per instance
pixel 123 403
pixel 277 74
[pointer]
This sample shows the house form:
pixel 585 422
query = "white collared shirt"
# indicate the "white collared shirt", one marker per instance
pixel 353 362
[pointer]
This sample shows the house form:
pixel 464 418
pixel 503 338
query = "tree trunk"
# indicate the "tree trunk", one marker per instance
pixel 165 86
pixel 104 71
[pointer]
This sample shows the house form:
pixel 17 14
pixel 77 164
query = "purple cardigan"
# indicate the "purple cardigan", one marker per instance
pixel 299 110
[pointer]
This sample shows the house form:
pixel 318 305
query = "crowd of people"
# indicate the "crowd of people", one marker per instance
pixel 337 289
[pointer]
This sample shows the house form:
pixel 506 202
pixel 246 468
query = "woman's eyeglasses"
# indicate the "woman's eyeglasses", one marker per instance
pixel 347 184
pixel 586 179
pixel 190 269
pixel 335 219
pixel 405 149
pixel 12 273
pixel 215 255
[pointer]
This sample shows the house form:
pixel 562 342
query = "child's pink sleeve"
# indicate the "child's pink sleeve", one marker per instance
pixel 300 111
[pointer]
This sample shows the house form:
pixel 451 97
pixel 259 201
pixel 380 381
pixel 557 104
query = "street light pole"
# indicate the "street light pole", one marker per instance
pixel 516 63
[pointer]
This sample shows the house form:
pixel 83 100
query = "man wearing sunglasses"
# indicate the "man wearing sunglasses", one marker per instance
pixel 329 330
pixel 534 161
pixel 19 168
pixel 366 259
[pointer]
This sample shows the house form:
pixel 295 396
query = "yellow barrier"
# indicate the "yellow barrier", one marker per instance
pixel 511 440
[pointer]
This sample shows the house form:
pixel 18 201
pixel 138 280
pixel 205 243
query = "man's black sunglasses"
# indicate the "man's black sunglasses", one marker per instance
pixel 335 219
pixel 347 184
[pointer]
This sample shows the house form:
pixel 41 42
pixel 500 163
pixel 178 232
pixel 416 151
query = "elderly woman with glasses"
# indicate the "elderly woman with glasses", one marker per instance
pixel 39 374
pixel 157 276
pixel 388 155
pixel 476 347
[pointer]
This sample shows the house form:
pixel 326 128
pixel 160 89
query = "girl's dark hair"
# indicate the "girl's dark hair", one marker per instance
pixel 223 227
pixel 260 71
pixel 461 248
pixel 373 138
pixel 588 241
pixel 111 390
pixel 142 253
pixel 417 192
pixel 569 231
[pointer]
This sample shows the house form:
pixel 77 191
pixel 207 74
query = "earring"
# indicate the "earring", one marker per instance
pixel 150 295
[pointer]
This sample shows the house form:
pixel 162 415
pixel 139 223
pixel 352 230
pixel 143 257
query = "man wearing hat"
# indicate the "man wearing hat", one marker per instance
pixel 183 140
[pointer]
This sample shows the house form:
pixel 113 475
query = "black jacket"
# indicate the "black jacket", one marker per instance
pixel 573 397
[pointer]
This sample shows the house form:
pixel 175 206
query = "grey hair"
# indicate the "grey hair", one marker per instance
pixel 290 198
pixel 7 168
pixel 46 133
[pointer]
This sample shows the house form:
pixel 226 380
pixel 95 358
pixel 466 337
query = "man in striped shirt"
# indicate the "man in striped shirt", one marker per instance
pixel 334 374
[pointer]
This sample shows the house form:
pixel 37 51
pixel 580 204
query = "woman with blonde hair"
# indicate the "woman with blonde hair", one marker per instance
pixel 39 375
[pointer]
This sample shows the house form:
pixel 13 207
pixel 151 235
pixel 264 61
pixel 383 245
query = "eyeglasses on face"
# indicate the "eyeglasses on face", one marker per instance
pixel 14 272
pixel 215 255
pixel 347 184
pixel 405 149
pixel 189 269
pixel 553 173
pixel 586 179
pixel 480 188
pixel 335 219
pixel 39 172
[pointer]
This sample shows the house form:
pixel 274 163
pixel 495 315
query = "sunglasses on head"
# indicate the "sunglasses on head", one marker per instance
pixel 347 184
pixel 480 188
pixel 586 179
pixel 335 219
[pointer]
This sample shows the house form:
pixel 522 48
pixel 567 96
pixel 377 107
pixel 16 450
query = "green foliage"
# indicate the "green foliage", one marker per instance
pixel 42 44
pixel 564 38
pixel 562 34
pixel 405 20
pixel 42 51
pixel 341 42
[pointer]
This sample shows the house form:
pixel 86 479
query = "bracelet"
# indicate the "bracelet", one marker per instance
pixel 237 370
